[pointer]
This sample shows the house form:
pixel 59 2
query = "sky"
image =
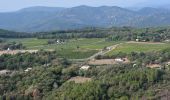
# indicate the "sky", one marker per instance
pixel 13 5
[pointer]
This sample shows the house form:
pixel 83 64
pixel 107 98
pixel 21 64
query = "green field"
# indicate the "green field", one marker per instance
pixel 29 42
pixel 33 43
pixel 87 47
pixel 138 47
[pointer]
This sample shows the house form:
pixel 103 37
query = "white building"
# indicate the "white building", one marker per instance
pixel 28 69
pixel 108 48
pixel 119 60
pixel 5 72
pixel 137 40
pixel 8 49
pixel 85 67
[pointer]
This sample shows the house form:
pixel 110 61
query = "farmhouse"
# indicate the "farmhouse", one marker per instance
pixel 119 60
pixel 85 67
pixel 108 48
pixel 59 41
pixel 28 69
pixel 168 63
pixel 167 40
pixel 5 72
pixel 137 40
pixel 8 49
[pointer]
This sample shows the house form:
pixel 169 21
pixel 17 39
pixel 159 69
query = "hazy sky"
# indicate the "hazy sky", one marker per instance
pixel 12 5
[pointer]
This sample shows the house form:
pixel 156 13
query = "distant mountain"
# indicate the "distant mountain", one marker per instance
pixel 42 8
pixel 54 18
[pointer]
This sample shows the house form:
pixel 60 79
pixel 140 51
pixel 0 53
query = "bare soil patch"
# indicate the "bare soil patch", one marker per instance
pixel 154 65
pixel 13 52
pixel 79 79
pixel 145 42
pixel 106 62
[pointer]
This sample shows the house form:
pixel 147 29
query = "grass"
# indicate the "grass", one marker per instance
pixel 29 42
pixel 94 43
pixel 137 47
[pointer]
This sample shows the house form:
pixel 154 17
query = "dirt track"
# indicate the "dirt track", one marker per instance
pixel 145 42
pixel 17 51
pixel 106 62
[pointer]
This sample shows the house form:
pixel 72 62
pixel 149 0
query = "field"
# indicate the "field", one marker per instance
pixel 29 42
pixel 84 48
pixel 139 47
pixel 72 49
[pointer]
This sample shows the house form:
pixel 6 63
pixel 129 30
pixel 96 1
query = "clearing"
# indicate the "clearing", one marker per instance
pixel 106 62
pixel 79 79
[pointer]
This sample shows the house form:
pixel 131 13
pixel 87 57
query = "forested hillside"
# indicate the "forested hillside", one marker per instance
pixel 50 18
pixel 124 82
pixel 63 66
pixel 12 34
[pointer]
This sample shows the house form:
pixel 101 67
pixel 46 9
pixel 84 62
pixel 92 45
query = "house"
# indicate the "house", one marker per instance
pixel 134 65
pixel 108 48
pixel 5 72
pixel 119 60
pixel 58 41
pixel 28 69
pixel 137 40
pixel 167 40
pixel 85 67
pixel 168 63
pixel 8 49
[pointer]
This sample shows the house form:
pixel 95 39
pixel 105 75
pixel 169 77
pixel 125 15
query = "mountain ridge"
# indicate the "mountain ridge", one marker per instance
pixel 39 18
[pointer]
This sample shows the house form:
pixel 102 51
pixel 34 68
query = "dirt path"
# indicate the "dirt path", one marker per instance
pixel 13 52
pixel 16 51
pixel 145 42
pixel 98 53
pixel 110 48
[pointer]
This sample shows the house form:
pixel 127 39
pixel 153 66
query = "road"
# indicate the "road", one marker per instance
pixel 102 52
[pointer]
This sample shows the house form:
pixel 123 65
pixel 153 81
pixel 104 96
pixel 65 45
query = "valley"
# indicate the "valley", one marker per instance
pixel 84 50
pixel 87 64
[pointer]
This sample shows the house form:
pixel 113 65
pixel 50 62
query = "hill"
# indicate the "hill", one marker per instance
pixel 35 19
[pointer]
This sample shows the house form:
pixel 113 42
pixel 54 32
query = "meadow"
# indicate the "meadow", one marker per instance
pixel 29 42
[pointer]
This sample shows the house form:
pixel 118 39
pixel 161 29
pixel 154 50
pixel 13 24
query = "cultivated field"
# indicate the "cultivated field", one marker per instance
pixel 129 47
pixel 30 43
pixel 72 49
